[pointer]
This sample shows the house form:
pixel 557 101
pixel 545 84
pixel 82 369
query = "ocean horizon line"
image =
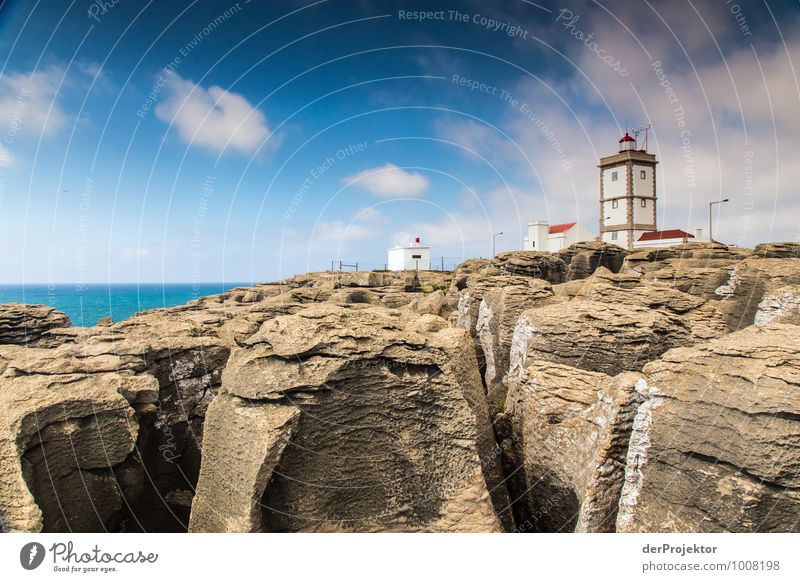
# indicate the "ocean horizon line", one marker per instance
pixel 69 283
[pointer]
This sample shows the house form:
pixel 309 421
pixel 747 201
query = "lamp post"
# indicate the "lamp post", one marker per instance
pixel 494 239
pixel 710 222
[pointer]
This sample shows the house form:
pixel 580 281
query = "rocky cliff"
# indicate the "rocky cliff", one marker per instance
pixel 589 390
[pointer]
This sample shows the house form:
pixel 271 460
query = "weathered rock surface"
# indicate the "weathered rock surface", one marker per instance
pixel 716 445
pixel 602 337
pixel 781 305
pixel 584 258
pixel 778 250
pixel 572 429
pixel 393 432
pixel 130 398
pixel 377 401
pixel 27 324
pixel 243 441
pixel 65 424
pixel 694 268
pixel 498 313
pixel 737 279
pixel 547 266
pixel 751 281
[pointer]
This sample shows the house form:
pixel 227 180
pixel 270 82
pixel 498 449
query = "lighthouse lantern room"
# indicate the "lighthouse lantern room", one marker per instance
pixel 628 192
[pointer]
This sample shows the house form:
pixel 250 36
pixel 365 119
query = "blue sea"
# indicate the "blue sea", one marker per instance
pixel 86 304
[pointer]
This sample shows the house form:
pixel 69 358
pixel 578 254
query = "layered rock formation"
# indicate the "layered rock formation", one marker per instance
pixel 716 444
pixel 498 313
pixel 589 390
pixel 26 324
pixel 243 443
pixel 392 430
pixel 572 429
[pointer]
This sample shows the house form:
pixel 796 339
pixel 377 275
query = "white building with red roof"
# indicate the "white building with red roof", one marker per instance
pixel 628 207
pixel 667 238
pixel 542 236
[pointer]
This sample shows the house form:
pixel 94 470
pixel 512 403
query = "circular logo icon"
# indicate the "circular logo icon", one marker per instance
pixel 31 555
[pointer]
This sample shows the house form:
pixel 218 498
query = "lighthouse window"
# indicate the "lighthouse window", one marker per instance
pixel 614 176
pixel 615 204
pixel 614 235
pixel 643 174
pixel 644 203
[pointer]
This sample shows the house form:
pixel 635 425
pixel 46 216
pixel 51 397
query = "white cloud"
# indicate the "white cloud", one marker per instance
pixel 135 253
pixel 370 214
pixel 29 105
pixel 339 232
pixel 212 118
pixel 389 181
pixel 738 123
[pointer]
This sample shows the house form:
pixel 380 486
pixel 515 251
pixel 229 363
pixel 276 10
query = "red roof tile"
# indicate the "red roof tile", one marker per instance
pixel 559 228
pixel 666 234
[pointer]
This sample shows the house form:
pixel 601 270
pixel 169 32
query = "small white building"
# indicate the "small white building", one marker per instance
pixel 409 258
pixel 545 237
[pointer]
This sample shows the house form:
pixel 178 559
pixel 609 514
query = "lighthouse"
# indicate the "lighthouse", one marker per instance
pixel 627 193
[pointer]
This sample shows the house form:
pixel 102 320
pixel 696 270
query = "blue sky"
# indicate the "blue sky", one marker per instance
pixel 224 141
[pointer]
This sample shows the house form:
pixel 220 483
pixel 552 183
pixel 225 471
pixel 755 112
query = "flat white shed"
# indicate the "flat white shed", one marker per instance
pixel 409 258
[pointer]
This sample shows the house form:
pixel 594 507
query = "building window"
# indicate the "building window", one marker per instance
pixel 614 235
pixel 615 204
pixel 643 174
pixel 644 203
pixel 416 256
pixel 614 176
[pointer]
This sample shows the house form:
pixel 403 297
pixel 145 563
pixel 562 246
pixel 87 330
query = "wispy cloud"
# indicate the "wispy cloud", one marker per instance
pixel 29 104
pixel 213 118
pixel 371 214
pixel 389 181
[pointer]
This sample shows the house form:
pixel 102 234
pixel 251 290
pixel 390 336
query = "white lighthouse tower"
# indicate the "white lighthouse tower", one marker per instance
pixel 627 193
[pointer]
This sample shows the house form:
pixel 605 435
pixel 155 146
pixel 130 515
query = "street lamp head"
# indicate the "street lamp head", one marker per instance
pixel 726 200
